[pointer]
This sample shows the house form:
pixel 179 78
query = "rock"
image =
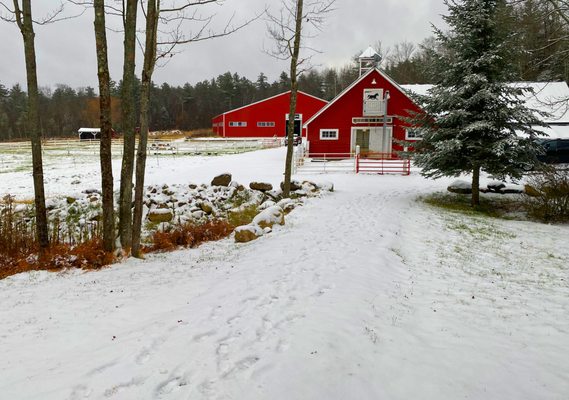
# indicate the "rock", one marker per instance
pixel 160 215
pixel 329 186
pixel 309 187
pixel 275 195
pixel 221 180
pixel 247 233
pixel 269 217
pixel 460 187
pixel 531 191
pixel 71 200
pixel 512 189
pixel 267 204
pixel 294 185
pixel 495 186
pixel 76 182
pixel 206 207
pixel 198 214
pixel 262 186
pixel 287 205
pixel 299 193
pixel 182 203
pixel 92 191
pixel 193 186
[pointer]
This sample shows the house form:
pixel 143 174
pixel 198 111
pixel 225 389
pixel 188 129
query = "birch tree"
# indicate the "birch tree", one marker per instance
pixel 170 21
pixel 289 35
pixel 105 125
pixel 128 123
pixel 21 14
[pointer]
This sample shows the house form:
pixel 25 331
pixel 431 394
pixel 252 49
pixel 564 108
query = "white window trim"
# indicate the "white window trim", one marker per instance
pixel 337 131
pixel 238 124
pixel 369 120
pixel 411 138
pixel 265 124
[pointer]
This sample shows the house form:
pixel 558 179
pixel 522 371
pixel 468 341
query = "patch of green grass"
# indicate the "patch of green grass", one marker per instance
pixel 480 229
pixel 495 207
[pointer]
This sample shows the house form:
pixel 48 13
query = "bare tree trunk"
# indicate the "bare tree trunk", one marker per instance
pixel 293 97
pixel 152 13
pixel 129 122
pixel 25 23
pixel 475 186
pixel 106 127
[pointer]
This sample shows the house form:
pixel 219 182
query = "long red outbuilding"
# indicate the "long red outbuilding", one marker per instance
pixel 266 118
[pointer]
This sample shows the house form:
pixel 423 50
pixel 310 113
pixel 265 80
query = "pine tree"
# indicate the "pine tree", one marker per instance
pixel 474 121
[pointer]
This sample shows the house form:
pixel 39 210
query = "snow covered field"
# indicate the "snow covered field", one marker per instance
pixel 365 293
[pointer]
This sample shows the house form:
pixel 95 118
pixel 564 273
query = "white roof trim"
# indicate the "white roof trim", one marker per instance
pixel 346 90
pixel 268 98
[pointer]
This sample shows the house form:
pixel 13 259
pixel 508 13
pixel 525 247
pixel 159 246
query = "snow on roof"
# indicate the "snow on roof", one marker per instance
pixel 548 97
pixel 556 131
pixel 89 130
pixel 369 53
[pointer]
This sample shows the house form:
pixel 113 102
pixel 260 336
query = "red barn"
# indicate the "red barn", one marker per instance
pixel 366 114
pixel 266 118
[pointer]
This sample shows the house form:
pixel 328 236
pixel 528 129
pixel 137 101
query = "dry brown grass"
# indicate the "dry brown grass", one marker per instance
pixel 19 250
pixel 189 235
pixel 87 255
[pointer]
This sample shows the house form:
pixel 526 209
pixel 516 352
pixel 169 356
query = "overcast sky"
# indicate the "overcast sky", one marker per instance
pixel 66 50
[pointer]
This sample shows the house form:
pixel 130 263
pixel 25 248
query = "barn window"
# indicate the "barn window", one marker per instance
pixel 239 124
pixel 371 120
pixel 373 102
pixel 328 134
pixel 413 134
pixel 265 124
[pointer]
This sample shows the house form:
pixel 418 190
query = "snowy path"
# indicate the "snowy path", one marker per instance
pixel 364 294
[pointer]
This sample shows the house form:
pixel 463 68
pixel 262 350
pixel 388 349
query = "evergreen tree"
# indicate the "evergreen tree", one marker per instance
pixel 473 119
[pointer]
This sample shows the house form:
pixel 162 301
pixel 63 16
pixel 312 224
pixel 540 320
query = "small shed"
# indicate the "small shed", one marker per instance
pixel 89 133
pixel 266 118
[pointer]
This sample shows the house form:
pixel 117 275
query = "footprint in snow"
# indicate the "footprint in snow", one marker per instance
pixel 171 385
pixel 80 392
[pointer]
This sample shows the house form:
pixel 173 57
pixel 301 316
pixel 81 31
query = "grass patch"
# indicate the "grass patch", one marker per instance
pixel 495 207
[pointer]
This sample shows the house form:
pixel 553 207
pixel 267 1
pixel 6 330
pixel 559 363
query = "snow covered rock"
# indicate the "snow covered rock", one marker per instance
pixel 461 187
pixel 294 185
pixel 269 217
pixel 262 186
pixel 160 215
pixel 247 233
pixel 267 204
pixel 329 186
pixel 221 180
pixel 496 186
pixel 512 189
pixel 206 207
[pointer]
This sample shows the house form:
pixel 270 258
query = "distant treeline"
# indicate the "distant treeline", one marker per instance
pixel 539 50
pixel 187 107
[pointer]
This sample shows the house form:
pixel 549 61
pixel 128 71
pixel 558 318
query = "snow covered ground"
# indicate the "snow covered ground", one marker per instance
pixel 365 293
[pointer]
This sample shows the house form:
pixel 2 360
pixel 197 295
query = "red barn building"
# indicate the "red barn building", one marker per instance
pixel 266 118
pixel 366 114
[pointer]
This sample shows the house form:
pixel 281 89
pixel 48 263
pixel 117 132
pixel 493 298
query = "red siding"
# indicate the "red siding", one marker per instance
pixel 340 112
pixel 273 109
